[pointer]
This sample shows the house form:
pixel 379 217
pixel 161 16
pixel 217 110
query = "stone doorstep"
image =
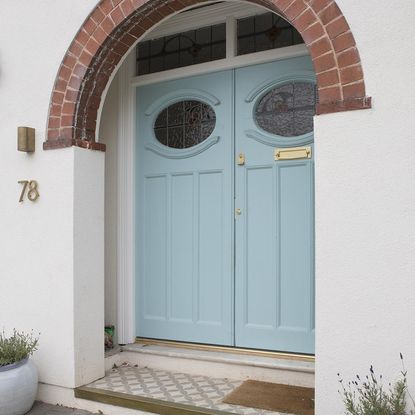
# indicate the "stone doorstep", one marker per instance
pixel 301 364
pixel 267 367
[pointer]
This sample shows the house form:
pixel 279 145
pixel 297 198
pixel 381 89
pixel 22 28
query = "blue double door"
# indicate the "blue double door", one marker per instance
pixel 224 224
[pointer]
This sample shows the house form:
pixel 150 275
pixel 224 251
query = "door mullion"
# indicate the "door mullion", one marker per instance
pixel 233 202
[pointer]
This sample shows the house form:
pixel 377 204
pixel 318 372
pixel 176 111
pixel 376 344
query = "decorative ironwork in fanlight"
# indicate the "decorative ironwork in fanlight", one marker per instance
pixel 265 31
pixel 185 124
pixel 205 44
pixel 288 110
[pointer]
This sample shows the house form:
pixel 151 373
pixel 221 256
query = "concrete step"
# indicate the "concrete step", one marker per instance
pixel 237 365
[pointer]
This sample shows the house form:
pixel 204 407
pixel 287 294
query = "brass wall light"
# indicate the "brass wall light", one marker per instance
pixel 26 139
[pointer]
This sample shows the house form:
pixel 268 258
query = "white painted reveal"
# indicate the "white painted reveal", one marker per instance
pixel 109 136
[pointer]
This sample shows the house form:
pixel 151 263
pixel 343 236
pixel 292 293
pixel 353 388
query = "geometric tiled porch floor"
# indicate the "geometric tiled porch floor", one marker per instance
pixel 197 391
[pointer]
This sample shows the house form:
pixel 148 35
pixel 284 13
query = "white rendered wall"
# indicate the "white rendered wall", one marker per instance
pixel 365 213
pixel 36 267
pixel 38 279
pixel 88 241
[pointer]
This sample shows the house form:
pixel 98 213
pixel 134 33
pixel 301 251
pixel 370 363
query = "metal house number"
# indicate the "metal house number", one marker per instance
pixel 30 188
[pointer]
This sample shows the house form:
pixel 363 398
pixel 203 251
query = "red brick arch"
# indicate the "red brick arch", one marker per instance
pixel 115 25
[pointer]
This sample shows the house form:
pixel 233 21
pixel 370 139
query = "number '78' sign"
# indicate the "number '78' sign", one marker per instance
pixel 30 188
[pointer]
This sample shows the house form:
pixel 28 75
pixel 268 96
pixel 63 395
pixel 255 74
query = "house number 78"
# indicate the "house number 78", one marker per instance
pixel 29 188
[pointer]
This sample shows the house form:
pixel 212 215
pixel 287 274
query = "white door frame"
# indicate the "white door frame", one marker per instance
pixel 128 82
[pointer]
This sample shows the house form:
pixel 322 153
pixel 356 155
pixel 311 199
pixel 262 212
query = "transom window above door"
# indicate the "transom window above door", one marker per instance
pixel 249 30
pixel 264 32
pixel 182 49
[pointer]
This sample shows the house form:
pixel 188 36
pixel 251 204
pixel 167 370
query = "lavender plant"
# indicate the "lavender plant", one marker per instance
pixel 369 396
pixel 17 347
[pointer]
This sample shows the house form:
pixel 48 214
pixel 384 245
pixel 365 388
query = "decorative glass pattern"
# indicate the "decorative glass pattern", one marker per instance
pixel 288 110
pixel 185 124
pixel 265 31
pixel 182 49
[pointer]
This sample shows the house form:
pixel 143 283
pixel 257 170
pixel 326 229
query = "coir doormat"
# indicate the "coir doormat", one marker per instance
pixel 273 397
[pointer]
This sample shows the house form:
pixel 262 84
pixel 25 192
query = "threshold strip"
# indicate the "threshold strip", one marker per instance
pixel 226 349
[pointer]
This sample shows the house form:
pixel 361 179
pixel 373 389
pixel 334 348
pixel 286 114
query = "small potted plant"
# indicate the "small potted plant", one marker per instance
pixel 18 374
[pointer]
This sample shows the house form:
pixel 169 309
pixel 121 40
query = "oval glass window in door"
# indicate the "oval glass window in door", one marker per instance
pixel 185 124
pixel 288 110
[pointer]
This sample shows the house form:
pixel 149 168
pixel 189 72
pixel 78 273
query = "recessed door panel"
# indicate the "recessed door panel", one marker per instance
pixel 182 248
pixel 259 278
pixel 294 215
pixel 155 233
pixel 210 281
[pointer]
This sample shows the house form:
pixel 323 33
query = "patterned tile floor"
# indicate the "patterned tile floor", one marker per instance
pixel 40 408
pixel 181 388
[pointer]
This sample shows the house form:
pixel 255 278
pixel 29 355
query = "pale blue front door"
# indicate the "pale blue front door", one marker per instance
pixel 224 230
pixel 274 278
pixel 185 212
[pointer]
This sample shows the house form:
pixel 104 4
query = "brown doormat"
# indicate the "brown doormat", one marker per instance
pixel 273 397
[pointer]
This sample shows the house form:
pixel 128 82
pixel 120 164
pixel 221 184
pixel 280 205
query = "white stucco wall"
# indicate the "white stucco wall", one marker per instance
pixel 88 276
pixel 365 198
pixel 38 279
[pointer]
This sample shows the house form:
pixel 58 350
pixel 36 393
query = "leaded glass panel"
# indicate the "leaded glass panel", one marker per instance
pixel 288 110
pixel 182 49
pixel 265 31
pixel 185 124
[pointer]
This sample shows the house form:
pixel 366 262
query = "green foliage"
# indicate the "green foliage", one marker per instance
pixel 17 347
pixel 369 396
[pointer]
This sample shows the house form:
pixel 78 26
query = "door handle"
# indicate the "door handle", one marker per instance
pixel 241 159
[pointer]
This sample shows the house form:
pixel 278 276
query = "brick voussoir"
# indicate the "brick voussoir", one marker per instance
pixel 114 26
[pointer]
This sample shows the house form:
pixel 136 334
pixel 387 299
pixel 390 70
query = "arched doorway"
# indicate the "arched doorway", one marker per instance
pixel 285 68
pixel 112 29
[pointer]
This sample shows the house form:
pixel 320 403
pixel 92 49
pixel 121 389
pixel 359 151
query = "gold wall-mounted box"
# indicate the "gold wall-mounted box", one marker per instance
pixel 26 139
